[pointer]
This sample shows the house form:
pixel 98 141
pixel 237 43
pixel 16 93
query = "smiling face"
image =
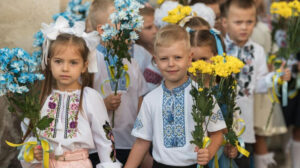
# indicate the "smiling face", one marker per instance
pixel 66 66
pixel 173 62
pixel 239 23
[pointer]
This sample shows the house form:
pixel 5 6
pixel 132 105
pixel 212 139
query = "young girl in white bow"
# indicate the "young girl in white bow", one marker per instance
pixel 80 117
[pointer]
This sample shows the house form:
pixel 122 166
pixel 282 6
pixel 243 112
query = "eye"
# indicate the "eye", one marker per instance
pixel 148 27
pixel 74 62
pixel 58 61
pixel 193 60
pixel 204 59
pixel 163 58
pixel 250 21
pixel 178 57
pixel 238 22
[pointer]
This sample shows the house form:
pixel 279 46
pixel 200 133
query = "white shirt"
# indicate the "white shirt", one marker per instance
pixel 165 119
pixel 254 77
pixel 141 56
pixel 126 114
pixel 89 134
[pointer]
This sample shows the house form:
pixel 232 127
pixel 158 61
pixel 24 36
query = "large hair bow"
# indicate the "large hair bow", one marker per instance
pixel 61 26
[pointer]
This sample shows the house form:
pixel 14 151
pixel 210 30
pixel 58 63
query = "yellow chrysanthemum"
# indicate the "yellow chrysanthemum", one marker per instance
pixel 177 14
pixel 160 1
pixel 200 89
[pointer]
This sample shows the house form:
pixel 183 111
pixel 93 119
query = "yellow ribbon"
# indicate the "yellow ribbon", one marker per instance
pixel 241 150
pixel 28 154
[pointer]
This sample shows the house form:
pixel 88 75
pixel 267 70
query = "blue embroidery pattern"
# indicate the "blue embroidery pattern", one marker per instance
pixel 138 124
pixel 215 117
pixel 174 116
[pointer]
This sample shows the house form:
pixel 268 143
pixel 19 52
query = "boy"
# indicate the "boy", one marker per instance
pixel 126 105
pixel 239 21
pixel 165 116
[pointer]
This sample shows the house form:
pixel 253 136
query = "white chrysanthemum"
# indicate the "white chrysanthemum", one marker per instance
pixel 134 36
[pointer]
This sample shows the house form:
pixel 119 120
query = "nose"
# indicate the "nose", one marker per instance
pixel 244 26
pixel 65 67
pixel 171 62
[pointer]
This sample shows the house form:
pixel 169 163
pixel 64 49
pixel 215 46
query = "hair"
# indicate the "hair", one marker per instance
pixel 196 22
pixel 48 84
pixel 244 4
pixel 99 12
pixel 204 1
pixel 147 11
pixel 170 34
pixel 202 38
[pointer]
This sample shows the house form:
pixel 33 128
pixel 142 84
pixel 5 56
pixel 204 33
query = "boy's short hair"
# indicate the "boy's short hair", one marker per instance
pixel 204 1
pixel 147 11
pixel 244 4
pixel 98 13
pixel 170 34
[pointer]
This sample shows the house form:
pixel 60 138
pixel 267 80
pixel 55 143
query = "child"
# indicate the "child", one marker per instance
pixel 124 105
pixel 165 117
pixel 203 47
pixel 66 97
pixel 146 39
pixel 239 21
pixel 149 30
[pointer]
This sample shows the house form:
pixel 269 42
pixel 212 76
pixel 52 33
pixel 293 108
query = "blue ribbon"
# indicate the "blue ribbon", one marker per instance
pixel 218 41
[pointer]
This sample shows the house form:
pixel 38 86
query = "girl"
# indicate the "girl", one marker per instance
pixel 80 117
pixel 203 47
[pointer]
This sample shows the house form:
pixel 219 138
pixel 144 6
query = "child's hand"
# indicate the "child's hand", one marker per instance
pixel 202 156
pixel 286 71
pixel 112 102
pixel 230 151
pixel 38 153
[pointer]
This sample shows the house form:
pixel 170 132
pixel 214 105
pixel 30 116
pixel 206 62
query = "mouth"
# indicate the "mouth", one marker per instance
pixel 172 71
pixel 64 76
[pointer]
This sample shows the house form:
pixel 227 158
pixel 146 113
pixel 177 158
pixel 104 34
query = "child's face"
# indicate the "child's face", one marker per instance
pixel 66 66
pixel 173 62
pixel 202 53
pixel 149 31
pixel 239 23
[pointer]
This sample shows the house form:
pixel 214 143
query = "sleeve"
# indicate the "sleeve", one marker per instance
pixel 216 121
pixel 263 79
pixel 142 84
pixel 142 127
pixel 101 130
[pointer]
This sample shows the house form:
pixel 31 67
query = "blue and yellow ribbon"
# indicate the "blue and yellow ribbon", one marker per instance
pixel 27 154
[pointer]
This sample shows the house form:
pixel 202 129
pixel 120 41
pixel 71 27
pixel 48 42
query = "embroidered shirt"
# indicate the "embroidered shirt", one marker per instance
pixel 165 119
pixel 90 131
pixel 254 77
pixel 126 114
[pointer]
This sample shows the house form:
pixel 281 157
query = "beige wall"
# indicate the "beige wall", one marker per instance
pixel 20 19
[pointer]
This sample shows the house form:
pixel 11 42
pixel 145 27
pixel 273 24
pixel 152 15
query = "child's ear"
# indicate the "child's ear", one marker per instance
pixel 85 68
pixel 99 29
pixel 224 22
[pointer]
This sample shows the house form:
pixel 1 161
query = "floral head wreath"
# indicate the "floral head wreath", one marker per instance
pixel 61 25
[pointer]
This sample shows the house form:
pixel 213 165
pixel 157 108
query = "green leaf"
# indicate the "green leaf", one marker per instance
pixel 44 123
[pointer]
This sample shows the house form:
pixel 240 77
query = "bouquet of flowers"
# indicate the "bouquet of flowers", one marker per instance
pixel 118 36
pixel 289 12
pixel 207 74
pixel 18 73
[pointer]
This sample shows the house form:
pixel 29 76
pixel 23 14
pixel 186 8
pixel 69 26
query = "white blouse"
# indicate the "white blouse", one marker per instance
pixel 92 131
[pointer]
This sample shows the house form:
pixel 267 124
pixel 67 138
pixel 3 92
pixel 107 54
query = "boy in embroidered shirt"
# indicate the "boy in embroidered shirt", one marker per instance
pixel 165 117
pixel 239 21
pixel 126 104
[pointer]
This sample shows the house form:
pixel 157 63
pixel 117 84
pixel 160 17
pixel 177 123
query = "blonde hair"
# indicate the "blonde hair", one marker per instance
pixel 99 13
pixel 170 34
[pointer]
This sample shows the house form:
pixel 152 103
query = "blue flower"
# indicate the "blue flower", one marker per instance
pixel 17 66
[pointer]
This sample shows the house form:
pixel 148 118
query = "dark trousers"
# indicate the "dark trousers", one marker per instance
pixel 159 165
pixel 122 156
pixel 245 162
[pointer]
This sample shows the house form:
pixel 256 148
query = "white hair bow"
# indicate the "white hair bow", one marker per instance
pixel 61 25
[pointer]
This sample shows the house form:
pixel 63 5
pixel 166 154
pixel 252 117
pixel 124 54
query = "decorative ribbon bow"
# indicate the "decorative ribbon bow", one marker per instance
pixel 61 25
pixel 216 34
pixel 27 154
